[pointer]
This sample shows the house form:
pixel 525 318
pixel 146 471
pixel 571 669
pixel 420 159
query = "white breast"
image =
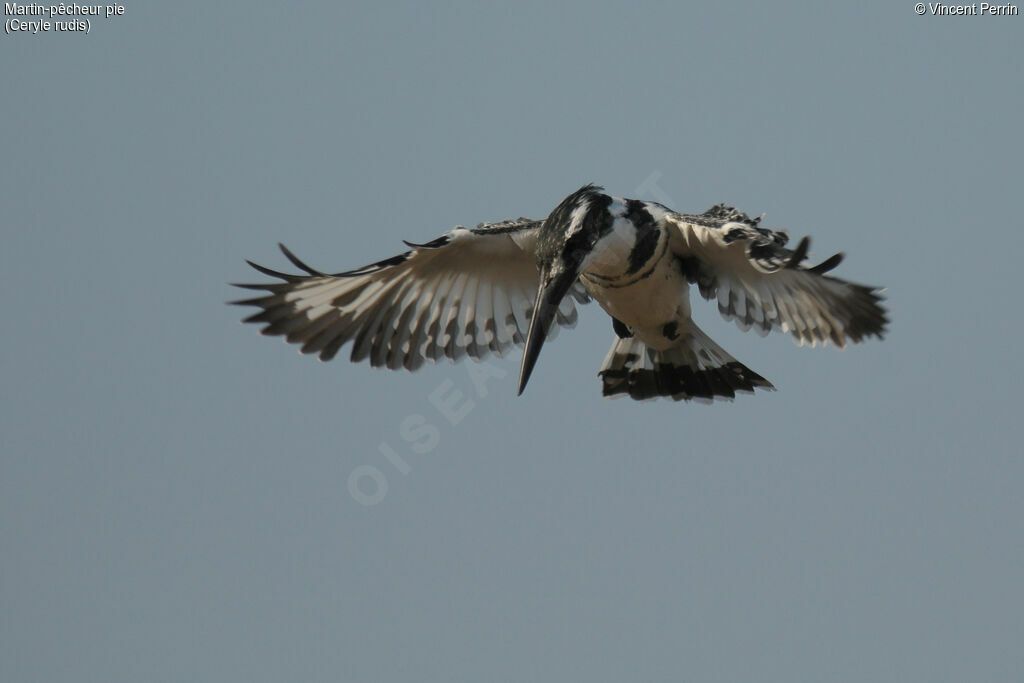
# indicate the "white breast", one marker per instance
pixel 648 302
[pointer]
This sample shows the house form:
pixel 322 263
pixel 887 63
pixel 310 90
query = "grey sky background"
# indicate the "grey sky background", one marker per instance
pixel 174 488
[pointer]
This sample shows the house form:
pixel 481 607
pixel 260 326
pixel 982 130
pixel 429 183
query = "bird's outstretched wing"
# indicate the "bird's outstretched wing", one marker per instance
pixel 760 283
pixel 468 292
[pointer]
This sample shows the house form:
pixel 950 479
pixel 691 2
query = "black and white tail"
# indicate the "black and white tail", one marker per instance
pixel 695 368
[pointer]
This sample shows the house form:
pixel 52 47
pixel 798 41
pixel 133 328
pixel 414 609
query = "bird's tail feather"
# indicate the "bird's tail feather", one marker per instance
pixel 695 368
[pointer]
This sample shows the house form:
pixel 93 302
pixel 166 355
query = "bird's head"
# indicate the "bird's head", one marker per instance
pixel 565 241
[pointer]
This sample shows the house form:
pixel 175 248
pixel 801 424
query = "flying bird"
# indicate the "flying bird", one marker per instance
pixel 479 291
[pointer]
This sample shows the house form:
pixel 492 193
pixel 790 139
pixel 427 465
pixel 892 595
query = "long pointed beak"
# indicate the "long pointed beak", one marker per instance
pixel 549 294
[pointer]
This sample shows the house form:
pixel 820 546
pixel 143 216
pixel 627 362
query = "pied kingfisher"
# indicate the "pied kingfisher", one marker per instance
pixel 481 290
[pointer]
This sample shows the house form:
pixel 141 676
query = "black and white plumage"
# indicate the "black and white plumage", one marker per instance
pixel 480 291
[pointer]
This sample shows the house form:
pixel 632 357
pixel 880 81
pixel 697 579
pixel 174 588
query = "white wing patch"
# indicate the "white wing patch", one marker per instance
pixel 469 292
pixel 760 284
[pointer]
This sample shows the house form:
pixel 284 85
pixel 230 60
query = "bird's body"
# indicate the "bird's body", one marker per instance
pixel 482 290
pixel 634 277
